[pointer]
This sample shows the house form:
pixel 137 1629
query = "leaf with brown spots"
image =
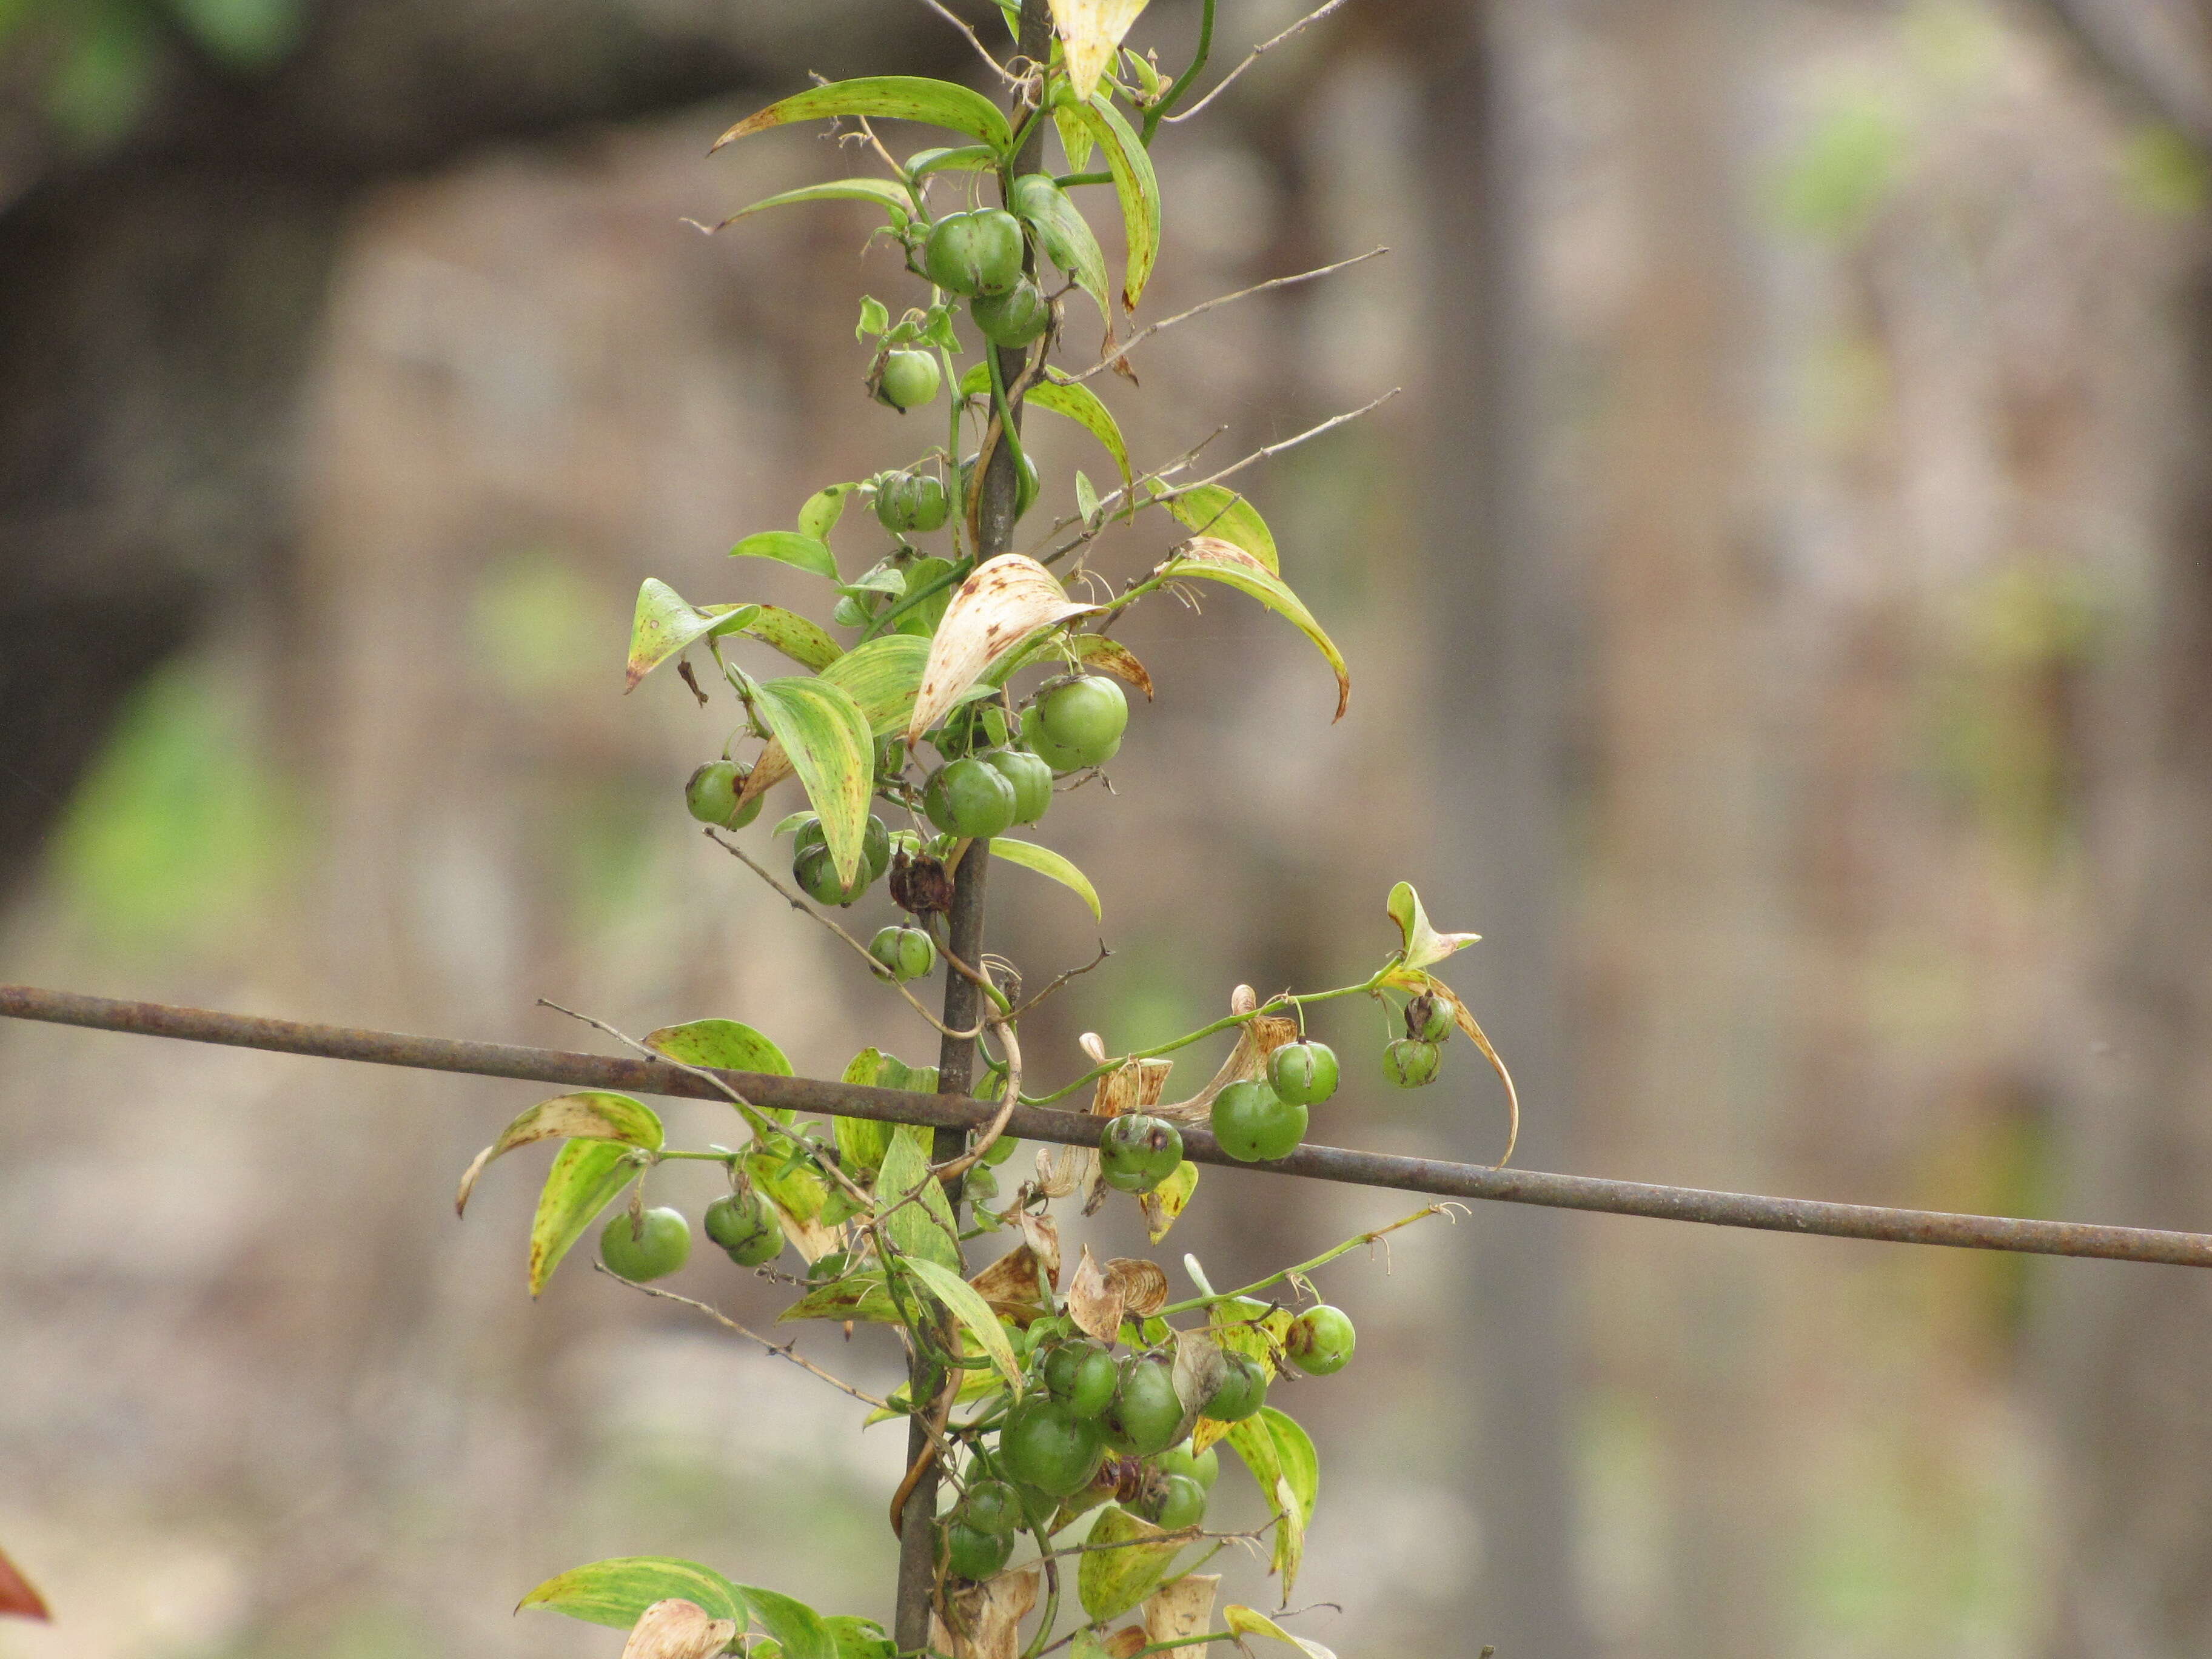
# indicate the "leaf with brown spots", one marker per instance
pixel 1141 1285
pixel 1094 1301
pixel 676 1629
pixel 1097 652
pixel 1183 1608
pixel 1002 602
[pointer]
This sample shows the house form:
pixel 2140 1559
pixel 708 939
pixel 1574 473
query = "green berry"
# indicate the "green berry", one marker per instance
pixel 971 1552
pixel 747 1225
pixel 1253 1123
pixel 712 795
pixel 1145 1416
pixel 1084 717
pixel 1429 1019
pixel 1059 759
pixel 1082 1375
pixel 909 379
pixel 974 253
pixel 991 1506
pixel 660 1249
pixel 1136 1153
pixel 1242 1391
pixel 1411 1062
pixel 1046 1445
pixel 904 953
pixel 1179 1501
pixel 1031 776
pixel 909 502
pixel 1014 318
pixel 1205 1467
pixel 968 797
pixel 1302 1072
pixel 818 876
pixel 1321 1340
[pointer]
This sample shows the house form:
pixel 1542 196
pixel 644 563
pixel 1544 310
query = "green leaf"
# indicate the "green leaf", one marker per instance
pixel 1046 862
pixel 967 1305
pixel 881 580
pixel 1078 404
pixel 881 192
pixel 924 1230
pixel 1281 1457
pixel 1218 561
pixel 862 1141
pixel 725 1045
pixel 1139 190
pixel 793 1185
pixel 586 1177
pixel 882 676
pixel 823 510
pixel 828 742
pixel 1246 1622
pixel 797 1626
pixel 805 551
pixel 1063 233
pixel 887 97
pixel 592 1115
pixel 665 624
pixel 1423 946
pixel 859 1638
pixel 805 642
pixel 1086 498
pixel 1113 1580
pixel 1218 510
pixel 924 578
pixel 874 319
pixel 617 1592
pixel 1074 138
pixel 860 1297
pixel 968 158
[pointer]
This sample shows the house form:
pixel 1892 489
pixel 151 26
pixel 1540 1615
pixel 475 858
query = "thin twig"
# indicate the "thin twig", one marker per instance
pixel 974 40
pixel 1253 57
pixel 782 1349
pixel 1062 979
pixel 1146 332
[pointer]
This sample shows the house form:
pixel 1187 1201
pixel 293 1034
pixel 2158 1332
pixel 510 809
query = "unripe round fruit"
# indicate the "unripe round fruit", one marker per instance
pixel 1136 1153
pixel 818 876
pixel 904 953
pixel 974 253
pixel 1321 1340
pixel 1302 1072
pixel 711 796
pixel 1205 1467
pixel 1254 1124
pixel 909 501
pixel 1180 1503
pixel 1025 493
pixel 1060 759
pixel 967 797
pixel 1084 717
pixel 1014 318
pixel 747 1226
pixel 875 843
pixel 663 1248
pixel 1081 1375
pixel 1144 1417
pixel 1031 776
pixel 1046 1445
pixel 910 379
pixel 1242 1391
pixel 970 1553
pixel 1429 1019
pixel 1409 1062
pixel 991 1506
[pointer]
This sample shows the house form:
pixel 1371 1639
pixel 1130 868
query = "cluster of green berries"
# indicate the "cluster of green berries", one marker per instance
pixel 1413 1060
pixel 658 1241
pixel 981 256
pixel 1264 1118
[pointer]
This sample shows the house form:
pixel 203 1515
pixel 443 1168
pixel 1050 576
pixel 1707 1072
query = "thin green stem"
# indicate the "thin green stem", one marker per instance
pixel 1069 180
pixel 1327 1257
pixel 1159 111
pixel 1286 999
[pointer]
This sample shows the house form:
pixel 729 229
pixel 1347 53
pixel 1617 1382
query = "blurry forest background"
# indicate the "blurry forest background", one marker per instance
pixel 1781 618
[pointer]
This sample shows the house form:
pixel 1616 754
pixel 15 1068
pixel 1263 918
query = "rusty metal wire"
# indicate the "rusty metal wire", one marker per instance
pixel 1413 1175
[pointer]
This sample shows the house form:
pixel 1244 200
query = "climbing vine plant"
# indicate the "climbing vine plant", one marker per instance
pixel 1066 1417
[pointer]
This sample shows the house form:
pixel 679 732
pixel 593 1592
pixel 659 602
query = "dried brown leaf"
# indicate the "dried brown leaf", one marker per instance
pixel 1259 1037
pixel 1010 1284
pixel 1475 1033
pixel 986 1618
pixel 1097 652
pixel 1002 602
pixel 1125 1643
pixel 1142 1285
pixel 676 1629
pixel 17 1597
pixel 1181 1608
pixel 1094 1301
pixel 1091 30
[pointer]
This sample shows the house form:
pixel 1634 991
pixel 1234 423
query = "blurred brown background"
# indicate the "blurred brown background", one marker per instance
pixel 1780 621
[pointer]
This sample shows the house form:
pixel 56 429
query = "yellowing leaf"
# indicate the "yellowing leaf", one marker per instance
pixel 805 642
pixel 584 1180
pixel 1046 862
pixel 1218 510
pixel 665 624
pixel 1097 651
pixel 880 676
pixel 619 1591
pixel 888 97
pixel 829 743
pixel 1114 1579
pixel 1218 561
pixel 1423 946
pixel 1245 1622
pixel 1136 186
pixel 1167 1201
pixel 592 1115
pixel 1091 30
pixel 884 193
pixel 1001 603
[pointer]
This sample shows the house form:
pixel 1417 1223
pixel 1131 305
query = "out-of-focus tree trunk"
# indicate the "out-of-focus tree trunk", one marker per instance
pixel 1502 646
